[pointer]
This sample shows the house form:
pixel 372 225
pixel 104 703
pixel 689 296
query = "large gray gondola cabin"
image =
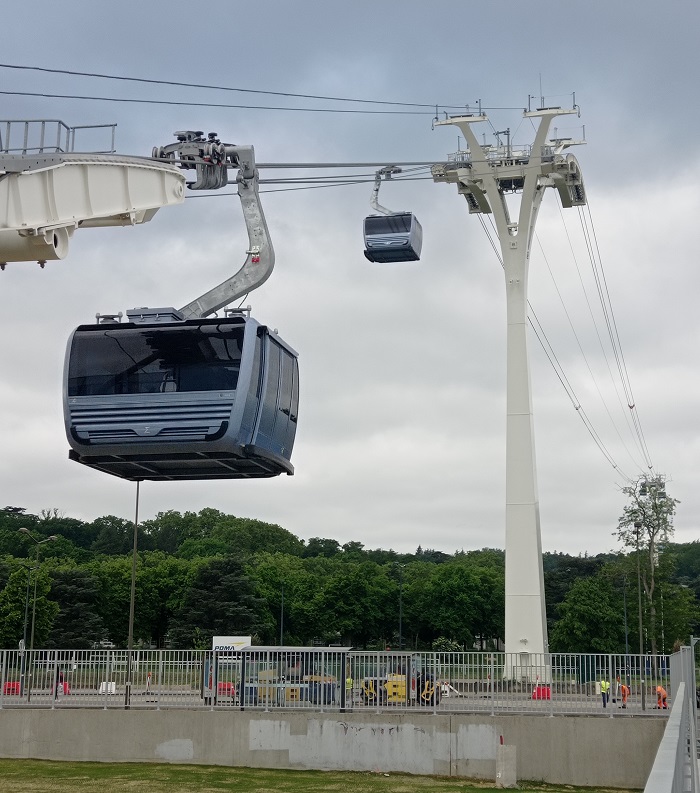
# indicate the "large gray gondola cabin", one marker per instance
pixel 163 398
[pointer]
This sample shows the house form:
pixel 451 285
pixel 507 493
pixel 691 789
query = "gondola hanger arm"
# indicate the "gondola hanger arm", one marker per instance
pixel 386 173
pixel 211 161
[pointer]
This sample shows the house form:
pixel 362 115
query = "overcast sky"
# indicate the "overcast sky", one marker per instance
pixel 401 436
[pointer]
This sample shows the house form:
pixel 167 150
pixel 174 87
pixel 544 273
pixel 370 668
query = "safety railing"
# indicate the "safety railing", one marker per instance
pixel 51 136
pixel 338 679
pixel 675 768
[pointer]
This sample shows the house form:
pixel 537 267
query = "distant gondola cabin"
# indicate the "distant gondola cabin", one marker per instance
pixel 397 237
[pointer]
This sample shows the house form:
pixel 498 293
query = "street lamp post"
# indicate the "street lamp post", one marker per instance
pixel 400 607
pixel 624 606
pixel 638 529
pixel 23 643
pixel 132 604
pixel 628 672
pixel 282 618
pixel 38 544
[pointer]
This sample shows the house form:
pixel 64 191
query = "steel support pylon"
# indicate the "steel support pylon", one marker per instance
pixel 484 175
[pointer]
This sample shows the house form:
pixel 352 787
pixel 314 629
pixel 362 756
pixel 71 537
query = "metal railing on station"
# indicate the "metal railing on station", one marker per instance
pixel 675 768
pixel 339 679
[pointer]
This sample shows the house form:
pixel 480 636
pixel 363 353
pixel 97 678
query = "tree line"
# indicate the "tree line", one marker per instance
pixel 209 573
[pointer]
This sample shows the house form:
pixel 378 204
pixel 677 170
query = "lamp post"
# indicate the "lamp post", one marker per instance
pixel 400 607
pixel 282 618
pixel 628 671
pixel 624 606
pixel 132 604
pixel 38 544
pixel 638 529
pixel 23 643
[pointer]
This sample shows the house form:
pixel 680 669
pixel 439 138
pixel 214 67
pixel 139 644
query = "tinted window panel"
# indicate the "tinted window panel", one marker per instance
pixel 269 408
pixel 388 224
pixel 111 360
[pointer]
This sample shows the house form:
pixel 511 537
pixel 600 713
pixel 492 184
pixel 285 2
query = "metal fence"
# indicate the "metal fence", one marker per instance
pixel 338 679
pixel 43 136
pixel 675 768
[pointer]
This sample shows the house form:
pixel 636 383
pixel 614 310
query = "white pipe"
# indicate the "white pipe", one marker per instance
pixel 18 247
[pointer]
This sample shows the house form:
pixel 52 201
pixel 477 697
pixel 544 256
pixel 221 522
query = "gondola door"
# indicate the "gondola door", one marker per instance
pixel 277 426
pixel 265 436
pixel 286 426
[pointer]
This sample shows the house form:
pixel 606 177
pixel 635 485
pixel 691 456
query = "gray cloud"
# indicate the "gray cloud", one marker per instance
pixel 402 422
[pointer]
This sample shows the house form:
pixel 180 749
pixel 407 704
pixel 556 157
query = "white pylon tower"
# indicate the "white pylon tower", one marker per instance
pixel 485 175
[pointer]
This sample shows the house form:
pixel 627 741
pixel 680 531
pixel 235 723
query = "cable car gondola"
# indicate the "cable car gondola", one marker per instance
pixel 391 236
pixel 160 397
pixel 397 237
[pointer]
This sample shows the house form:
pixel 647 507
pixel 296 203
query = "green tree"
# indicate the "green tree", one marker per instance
pixel 355 603
pixel 273 573
pixel 114 574
pixel 418 594
pixel 679 615
pixel 11 520
pixel 247 536
pixel 561 571
pixel 168 530
pixel 78 535
pixel 219 601
pixel 78 623
pixel 115 536
pixel 590 619
pixel 13 600
pixel 161 583
pixel 322 546
pixel 646 526
pixel 12 608
pixel 454 597
pixel 490 605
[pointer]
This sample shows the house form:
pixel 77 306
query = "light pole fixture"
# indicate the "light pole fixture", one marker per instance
pixel 624 606
pixel 638 528
pixel 132 603
pixel 23 643
pixel 38 544
pixel 400 609
pixel 282 618
pixel 26 607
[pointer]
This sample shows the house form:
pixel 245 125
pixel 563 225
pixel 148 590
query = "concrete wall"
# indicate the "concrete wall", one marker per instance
pixel 574 750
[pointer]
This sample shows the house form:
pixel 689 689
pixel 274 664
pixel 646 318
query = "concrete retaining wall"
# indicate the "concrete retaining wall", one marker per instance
pixel 573 750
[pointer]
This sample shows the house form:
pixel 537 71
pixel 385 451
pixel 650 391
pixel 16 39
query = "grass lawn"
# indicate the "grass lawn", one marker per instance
pixel 43 776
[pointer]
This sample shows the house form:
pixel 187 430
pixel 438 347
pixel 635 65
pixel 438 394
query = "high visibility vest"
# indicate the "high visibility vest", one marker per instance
pixel 604 686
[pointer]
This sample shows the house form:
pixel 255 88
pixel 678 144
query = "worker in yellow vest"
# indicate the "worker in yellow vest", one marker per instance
pixel 605 691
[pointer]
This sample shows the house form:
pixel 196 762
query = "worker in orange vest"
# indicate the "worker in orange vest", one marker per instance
pixel 661 698
pixel 624 692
